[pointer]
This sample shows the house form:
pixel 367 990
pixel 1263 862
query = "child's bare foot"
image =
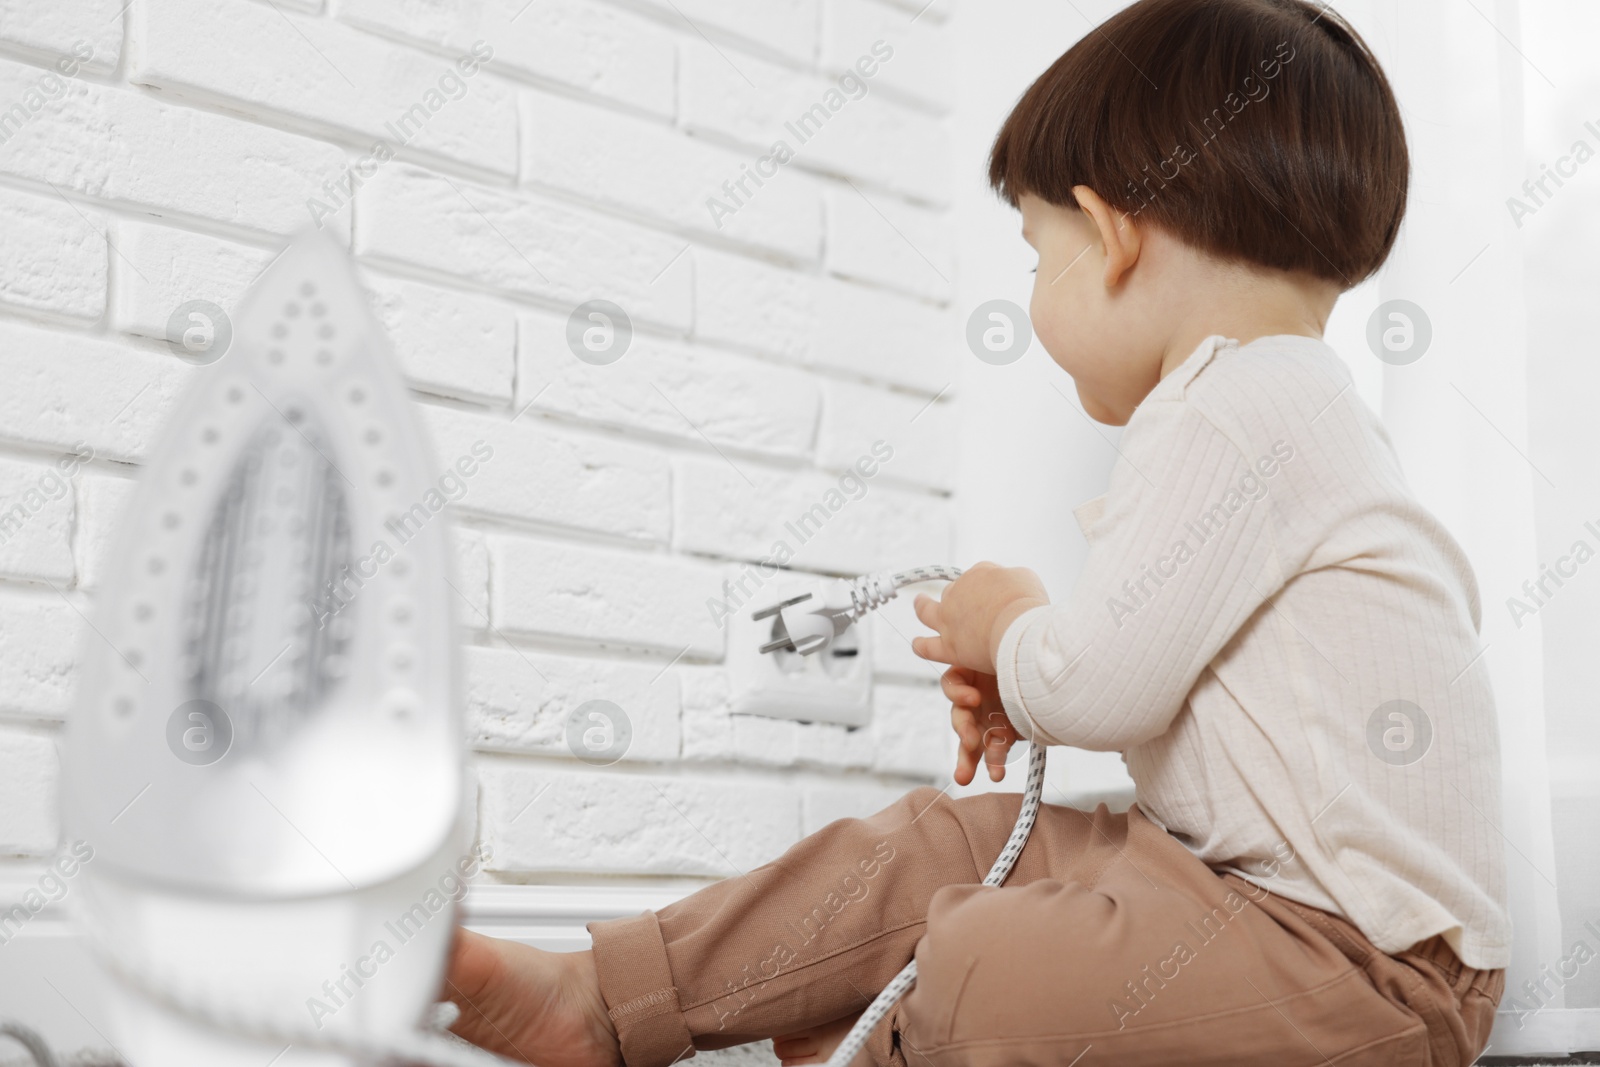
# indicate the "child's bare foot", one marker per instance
pixel 815 1045
pixel 527 1004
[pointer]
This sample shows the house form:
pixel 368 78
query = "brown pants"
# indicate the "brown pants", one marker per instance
pixel 1109 944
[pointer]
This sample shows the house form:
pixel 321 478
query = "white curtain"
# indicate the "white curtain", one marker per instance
pixel 1491 424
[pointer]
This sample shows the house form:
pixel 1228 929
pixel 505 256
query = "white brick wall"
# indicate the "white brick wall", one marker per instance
pixel 55 258
pixel 772 348
pixel 43 32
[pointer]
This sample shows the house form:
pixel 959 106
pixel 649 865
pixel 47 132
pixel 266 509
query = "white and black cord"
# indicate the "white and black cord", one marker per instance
pixel 808 623
pixel 1032 791
pixel 29 1040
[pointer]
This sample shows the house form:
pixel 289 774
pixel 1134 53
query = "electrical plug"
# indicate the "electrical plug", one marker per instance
pixel 808 622
pixel 811 621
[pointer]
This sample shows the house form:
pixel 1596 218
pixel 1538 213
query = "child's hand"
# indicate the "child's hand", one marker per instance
pixel 980 722
pixel 973 614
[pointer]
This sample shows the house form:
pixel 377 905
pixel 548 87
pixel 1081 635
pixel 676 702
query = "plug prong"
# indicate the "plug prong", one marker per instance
pixel 780 643
pixel 767 613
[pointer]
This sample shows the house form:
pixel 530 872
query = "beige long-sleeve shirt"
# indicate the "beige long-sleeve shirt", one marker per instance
pixel 1283 643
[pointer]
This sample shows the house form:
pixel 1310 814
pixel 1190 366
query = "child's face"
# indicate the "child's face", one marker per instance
pixel 1101 330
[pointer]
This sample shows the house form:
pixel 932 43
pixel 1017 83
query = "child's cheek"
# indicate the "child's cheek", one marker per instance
pixel 1051 321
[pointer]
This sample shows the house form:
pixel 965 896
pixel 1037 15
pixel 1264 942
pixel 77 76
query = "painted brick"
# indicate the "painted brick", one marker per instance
pixel 450 343
pixel 328 75
pixel 923 434
pixel 874 237
pixel 923 55
pixel 707 724
pixel 519 701
pixel 160 268
pixel 609 53
pixel 745 511
pixel 899 740
pixel 744 302
pixel 29 771
pixel 472 578
pixel 887 338
pixel 101 498
pixel 125 147
pixel 827 744
pixel 931 10
pixel 643 166
pixel 759 739
pixel 850 329
pixel 39 635
pixel 36 510
pixel 612 598
pixel 712 733
pixel 521 244
pixel 857 133
pixel 833 802
pixel 911 732
pixel 44 401
pixel 545 476
pixel 49 32
pixel 672 389
pixel 544 820
pixel 54 258
pixel 787 26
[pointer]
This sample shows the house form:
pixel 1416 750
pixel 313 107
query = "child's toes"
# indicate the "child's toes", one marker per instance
pixel 814 1045
pixel 801 1047
pixel 794 1048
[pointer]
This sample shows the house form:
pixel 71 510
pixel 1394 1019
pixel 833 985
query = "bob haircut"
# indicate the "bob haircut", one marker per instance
pixel 1259 131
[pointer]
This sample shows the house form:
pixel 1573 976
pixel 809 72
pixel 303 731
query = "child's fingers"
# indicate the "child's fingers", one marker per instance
pixel 997 742
pixel 965 723
pixel 927 611
pixel 932 648
pixel 961 676
pixel 959 690
pixel 966 765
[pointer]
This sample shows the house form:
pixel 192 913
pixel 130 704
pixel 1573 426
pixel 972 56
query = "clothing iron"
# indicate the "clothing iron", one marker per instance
pixel 266 754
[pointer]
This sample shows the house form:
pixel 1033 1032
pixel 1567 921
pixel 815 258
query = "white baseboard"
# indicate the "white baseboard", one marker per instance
pixel 1551 1031
pixel 554 916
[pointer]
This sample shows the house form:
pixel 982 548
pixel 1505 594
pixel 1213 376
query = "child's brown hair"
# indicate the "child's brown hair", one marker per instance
pixel 1260 131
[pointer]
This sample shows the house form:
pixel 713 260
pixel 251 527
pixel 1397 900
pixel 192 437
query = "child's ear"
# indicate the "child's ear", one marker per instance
pixel 1120 238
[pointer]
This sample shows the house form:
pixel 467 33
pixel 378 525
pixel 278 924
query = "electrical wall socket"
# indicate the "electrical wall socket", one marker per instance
pixel 830 686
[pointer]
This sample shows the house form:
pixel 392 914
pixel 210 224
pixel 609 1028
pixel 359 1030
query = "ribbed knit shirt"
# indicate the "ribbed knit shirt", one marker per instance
pixel 1283 644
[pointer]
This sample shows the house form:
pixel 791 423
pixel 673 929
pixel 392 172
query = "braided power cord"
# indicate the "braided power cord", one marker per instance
pixel 1033 790
pixel 29 1040
pixel 925 574
pixel 875 590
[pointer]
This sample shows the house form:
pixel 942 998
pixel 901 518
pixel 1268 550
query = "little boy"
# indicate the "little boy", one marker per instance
pixel 1278 638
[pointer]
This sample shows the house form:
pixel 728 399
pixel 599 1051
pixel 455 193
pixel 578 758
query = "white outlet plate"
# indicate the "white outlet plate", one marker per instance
pixel 832 686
